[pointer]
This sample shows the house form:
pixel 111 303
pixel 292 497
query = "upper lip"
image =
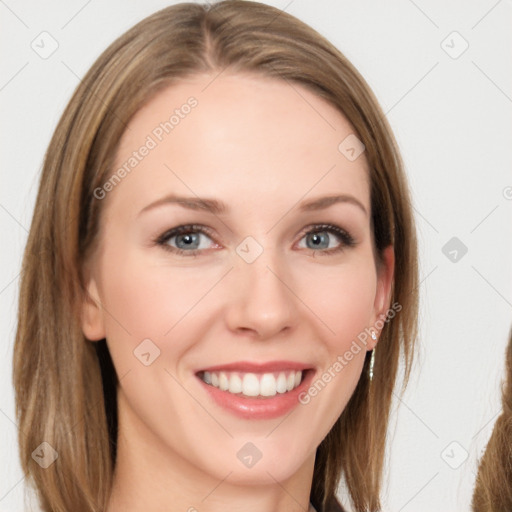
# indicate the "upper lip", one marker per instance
pixel 255 367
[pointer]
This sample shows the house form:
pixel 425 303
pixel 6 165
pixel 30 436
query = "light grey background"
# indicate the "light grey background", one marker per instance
pixel 452 119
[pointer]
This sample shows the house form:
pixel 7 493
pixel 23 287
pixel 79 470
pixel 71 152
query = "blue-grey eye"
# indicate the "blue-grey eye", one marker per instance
pixel 319 240
pixel 190 240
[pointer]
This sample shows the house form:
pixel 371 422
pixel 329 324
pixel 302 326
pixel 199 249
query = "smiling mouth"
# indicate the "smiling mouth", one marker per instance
pixel 253 384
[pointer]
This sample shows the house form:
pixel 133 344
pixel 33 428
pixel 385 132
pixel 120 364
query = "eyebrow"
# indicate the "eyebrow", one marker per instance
pixel 218 207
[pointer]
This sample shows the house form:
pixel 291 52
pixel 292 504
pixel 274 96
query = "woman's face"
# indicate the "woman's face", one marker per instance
pixel 256 297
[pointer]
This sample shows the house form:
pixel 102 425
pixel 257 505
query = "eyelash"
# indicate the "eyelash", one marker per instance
pixel 346 239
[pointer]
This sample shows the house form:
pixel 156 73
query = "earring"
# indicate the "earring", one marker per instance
pixel 372 359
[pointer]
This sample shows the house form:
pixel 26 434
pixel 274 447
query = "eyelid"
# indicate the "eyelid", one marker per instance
pixel 183 229
pixel 347 240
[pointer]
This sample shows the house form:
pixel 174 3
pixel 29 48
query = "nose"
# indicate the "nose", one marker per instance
pixel 261 300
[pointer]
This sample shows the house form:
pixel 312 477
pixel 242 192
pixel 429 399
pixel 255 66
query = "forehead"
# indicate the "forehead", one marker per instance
pixel 242 138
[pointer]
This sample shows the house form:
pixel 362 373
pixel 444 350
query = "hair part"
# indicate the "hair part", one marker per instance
pixel 65 385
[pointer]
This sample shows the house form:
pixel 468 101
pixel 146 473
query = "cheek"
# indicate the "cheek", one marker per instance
pixel 345 305
pixel 147 301
pixel 148 298
pixel 343 298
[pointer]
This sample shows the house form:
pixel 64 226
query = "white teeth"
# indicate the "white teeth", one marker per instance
pixel 223 381
pixel 252 384
pixel 268 385
pixel 290 381
pixel 235 384
pixel 281 383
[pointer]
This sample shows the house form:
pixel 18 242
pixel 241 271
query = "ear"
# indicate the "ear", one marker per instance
pixel 385 274
pixel 92 312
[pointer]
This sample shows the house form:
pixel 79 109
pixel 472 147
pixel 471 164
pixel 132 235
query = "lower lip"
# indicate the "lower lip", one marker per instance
pixel 259 408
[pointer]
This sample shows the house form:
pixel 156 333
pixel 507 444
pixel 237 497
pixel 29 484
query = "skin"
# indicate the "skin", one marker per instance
pixel 261 146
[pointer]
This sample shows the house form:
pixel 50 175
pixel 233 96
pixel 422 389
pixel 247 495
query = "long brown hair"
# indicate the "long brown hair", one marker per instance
pixel 493 488
pixel 66 385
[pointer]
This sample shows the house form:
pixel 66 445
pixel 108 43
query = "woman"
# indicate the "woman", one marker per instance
pixel 152 373
pixel 493 489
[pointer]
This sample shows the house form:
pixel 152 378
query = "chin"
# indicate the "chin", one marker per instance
pixel 264 466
